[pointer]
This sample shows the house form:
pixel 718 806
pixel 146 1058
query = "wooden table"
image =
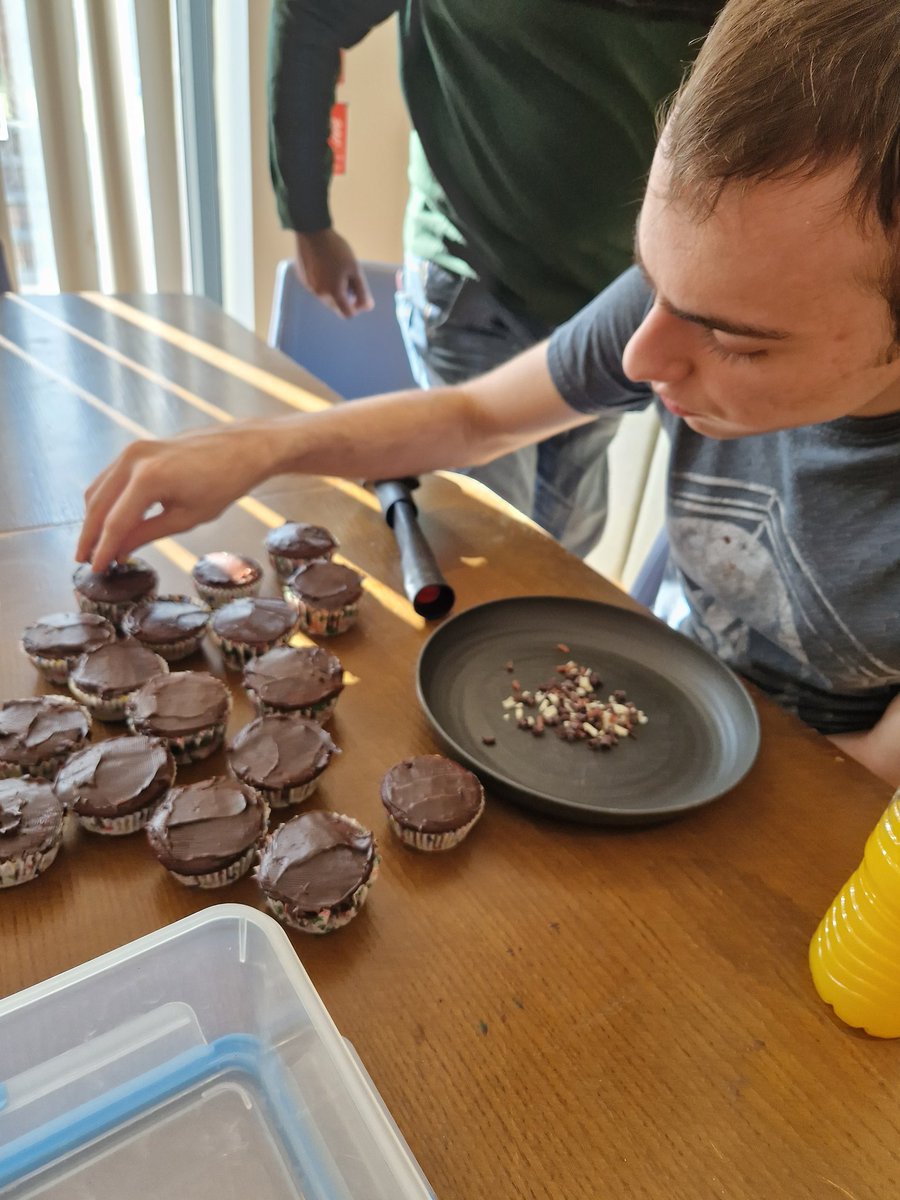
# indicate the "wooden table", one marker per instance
pixel 549 1010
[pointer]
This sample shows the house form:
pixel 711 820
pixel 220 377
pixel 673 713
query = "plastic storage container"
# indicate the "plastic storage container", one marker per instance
pixel 855 953
pixel 198 1062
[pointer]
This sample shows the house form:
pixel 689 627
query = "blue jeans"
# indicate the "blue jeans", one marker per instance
pixel 454 329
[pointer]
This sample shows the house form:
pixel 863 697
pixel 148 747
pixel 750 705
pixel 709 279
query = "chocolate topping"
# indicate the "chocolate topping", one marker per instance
pixel 39 728
pixel 206 825
pixel 316 860
pixel 126 581
pixel 116 669
pixel 116 777
pixel 223 569
pixel 326 584
pixel 31 817
pixel 293 676
pixel 280 750
pixel 254 621
pixel 166 619
pixel 181 703
pixel 67 635
pixel 296 540
pixel 431 794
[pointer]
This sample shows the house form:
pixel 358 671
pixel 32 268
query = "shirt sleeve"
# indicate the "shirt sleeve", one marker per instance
pixel 585 354
pixel 305 41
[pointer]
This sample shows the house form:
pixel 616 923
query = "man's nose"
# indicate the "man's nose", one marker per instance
pixel 658 350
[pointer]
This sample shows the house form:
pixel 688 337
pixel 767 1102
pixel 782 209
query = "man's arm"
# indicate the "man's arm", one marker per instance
pixel 305 41
pixel 195 476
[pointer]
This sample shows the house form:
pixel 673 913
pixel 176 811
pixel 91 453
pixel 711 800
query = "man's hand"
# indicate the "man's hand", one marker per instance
pixel 326 265
pixel 183 480
pixel 879 747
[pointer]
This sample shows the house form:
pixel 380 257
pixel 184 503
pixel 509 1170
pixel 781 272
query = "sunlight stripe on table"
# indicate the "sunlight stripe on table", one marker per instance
pixel 348 487
pixel 384 595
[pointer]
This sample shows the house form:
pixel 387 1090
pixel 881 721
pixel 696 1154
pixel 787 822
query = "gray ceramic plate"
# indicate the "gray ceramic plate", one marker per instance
pixel 700 740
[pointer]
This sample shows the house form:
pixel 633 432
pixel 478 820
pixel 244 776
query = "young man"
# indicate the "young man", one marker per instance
pixel 533 130
pixel 764 316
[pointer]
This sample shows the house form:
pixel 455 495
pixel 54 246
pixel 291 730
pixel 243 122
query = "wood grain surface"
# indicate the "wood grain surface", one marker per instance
pixel 549 1010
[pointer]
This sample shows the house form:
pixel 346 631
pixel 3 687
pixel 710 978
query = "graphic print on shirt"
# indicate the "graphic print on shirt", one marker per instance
pixel 748 583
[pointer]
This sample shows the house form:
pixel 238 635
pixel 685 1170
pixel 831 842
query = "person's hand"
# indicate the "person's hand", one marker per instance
pixel 326 264
pixel 158 488
pixel 879 747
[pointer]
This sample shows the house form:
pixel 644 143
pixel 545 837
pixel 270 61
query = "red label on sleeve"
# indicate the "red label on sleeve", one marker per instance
pixel 338 139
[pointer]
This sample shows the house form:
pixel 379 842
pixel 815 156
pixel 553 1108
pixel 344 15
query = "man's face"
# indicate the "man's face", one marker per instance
pixel 766 314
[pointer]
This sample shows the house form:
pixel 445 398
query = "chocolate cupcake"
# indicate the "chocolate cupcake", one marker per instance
pixel 172 626
pixel 111 593
pixel 222 576
pixel 187 709
pixel 431 802
pixel 38 734
pixel 316 870
pixel 280 758
pixel 206 834
pixel 114 785
pixel 106 678
pixel 305 680
pixel 245 628
pixel 31 829
pixel 55 642
pixel 293 544
pixel 327 596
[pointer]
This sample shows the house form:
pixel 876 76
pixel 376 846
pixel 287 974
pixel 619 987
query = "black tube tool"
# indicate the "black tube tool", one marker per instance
pixel 431 596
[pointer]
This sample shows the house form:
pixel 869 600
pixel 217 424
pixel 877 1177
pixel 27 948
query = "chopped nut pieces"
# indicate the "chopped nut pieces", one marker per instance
pixel 571 706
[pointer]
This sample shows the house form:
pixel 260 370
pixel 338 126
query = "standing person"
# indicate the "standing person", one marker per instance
pixel 533 129
pixel 764 323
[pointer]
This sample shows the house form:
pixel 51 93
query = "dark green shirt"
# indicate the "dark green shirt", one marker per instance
pixel 534 120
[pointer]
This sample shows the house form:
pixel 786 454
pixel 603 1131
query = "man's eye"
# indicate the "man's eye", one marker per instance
pixel 729 355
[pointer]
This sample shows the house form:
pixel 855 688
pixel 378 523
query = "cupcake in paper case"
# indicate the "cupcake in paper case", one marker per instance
pixel 431 802
pixel 243 629
pixel 112 592
pixel 280 758
pixel 113 786
pixel 293 544
pixel 316 870
pixel 106 678
pixel 39 733
pixel 55 642
pixel 206 834
pixel 171 626
pixel 305 680
pixel 222 576
pixel 326 595
pixel 187 709
pixel 31 829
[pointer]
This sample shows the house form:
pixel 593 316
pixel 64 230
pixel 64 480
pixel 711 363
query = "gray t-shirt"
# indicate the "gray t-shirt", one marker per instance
pixel 786 545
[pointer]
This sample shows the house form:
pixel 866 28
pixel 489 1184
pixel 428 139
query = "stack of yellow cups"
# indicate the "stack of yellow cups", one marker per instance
pixel 855 954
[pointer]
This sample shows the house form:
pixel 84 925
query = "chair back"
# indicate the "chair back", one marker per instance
pixel 359 356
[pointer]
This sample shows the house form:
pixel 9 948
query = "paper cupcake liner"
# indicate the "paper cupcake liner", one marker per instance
pixel 321 711
pixel 325 920
pixel 323 622
pixel 282 797
pixel 116 826
pixel 221 878
pixel 46 769
pixel 103 710
pixel 54 670
pixel 445 840
pixel 190 748
pixel 114 613
pixel 28 866
pixel 216 597
pixel 236 655
pixel 175 651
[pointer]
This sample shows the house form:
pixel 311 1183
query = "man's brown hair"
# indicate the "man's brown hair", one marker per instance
pixel 789 88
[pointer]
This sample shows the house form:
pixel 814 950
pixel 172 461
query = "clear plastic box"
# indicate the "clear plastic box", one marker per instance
pixel 198 1062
